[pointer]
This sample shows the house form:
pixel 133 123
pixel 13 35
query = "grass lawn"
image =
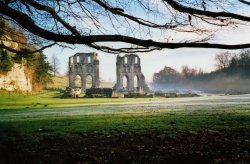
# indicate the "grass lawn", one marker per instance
pixel 51 99
pixel 154 131
pixel 216 121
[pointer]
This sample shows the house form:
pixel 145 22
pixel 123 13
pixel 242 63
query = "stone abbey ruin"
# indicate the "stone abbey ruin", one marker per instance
pixel 85 66
pixel 128 74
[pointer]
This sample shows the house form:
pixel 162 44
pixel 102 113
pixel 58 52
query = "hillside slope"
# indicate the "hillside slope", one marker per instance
pixel 61 82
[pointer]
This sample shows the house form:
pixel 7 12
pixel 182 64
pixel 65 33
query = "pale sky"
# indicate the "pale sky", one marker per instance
pixel 153 62
pixel 150 62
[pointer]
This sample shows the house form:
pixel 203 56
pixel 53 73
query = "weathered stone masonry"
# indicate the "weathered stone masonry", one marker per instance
pixel 128 68
pixel 84 64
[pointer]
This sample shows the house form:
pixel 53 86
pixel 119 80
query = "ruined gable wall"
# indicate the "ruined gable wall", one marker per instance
pixel 129 66
pixel 83 65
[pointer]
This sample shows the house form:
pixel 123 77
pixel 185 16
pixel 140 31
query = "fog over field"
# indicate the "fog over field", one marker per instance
pixel 226 85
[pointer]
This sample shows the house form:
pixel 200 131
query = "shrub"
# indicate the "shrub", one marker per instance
pixel 5 62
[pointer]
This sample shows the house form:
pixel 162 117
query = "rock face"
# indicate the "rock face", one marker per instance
pixel 15 79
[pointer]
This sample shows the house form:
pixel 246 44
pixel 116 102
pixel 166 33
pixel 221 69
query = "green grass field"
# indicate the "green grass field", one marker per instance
pixel 218 121
pixel 46 110
pixel 42 127
pixel 51 99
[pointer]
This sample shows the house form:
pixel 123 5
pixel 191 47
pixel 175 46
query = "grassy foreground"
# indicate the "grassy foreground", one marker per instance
pixel 62 132
pixel 215 121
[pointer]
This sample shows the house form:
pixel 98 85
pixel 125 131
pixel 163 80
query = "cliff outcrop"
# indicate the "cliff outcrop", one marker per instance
pixel 16 79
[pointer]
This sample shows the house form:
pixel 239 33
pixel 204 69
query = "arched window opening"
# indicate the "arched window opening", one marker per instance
pixel 125 60
pixel 125 83
pixel 78 81
pixel 136 60
pixel 89 82
pixel 89 59
pixel 136 82
pixel 78 59
pixel 71 60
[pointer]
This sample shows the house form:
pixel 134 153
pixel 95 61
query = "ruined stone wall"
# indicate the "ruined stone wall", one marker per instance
pixel 129 66
pixel 83 65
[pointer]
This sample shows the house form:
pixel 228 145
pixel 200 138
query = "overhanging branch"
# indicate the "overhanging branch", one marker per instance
pixel 118 11
pixel 2 46
pixel 145 45
pixel 190 10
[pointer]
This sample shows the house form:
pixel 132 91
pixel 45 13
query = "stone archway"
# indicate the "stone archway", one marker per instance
pixel 78 81
pixel 136 83
pixel 89 81
pixel 84 65
pixel 125 82
pixel 130 66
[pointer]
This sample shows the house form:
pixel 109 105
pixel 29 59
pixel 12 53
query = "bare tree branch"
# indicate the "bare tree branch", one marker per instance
pixel 59 21
pixel 190 10
pixel 119 11
pixel 54 14
pixel 27 51
pixel 245 2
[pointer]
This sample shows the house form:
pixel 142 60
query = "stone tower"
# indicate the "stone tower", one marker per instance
pixel 84 65
pixel 128 68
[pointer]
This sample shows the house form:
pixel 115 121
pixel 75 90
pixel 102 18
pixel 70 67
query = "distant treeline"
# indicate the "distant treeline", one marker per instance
pixel 232 74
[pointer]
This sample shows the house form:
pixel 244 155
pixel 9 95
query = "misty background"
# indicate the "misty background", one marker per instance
pixel 231 76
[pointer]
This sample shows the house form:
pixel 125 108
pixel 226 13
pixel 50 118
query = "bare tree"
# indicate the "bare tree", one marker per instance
pixel 186 71
pixel 223 60
pixel 189 72
pixel 55 65
pixel 138 25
